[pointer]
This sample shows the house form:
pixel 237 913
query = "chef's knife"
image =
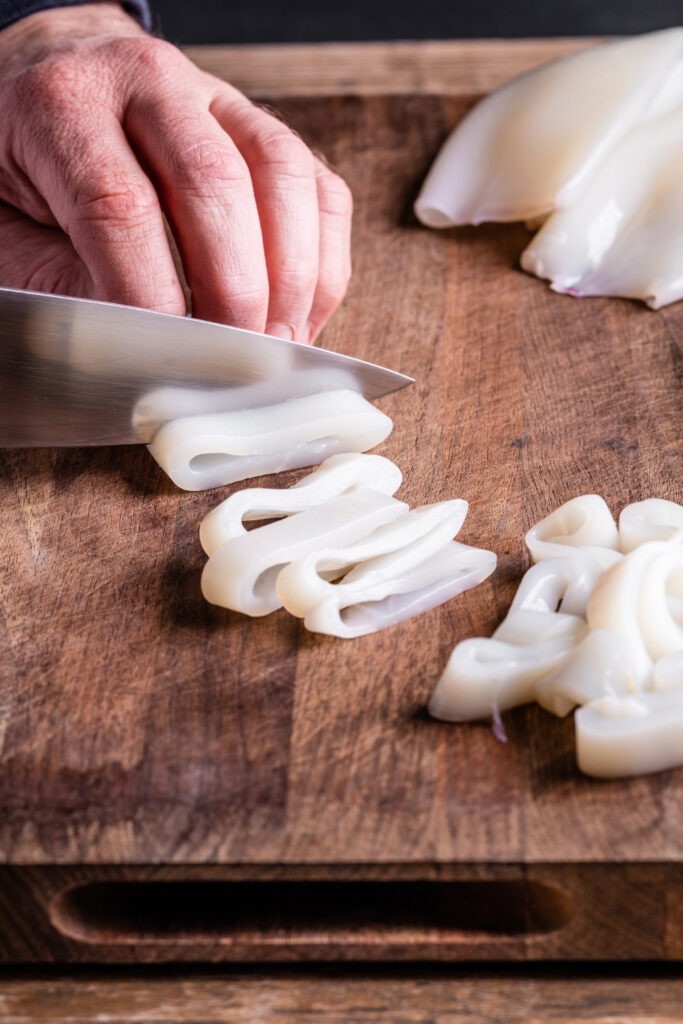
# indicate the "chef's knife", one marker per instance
pixel 80 372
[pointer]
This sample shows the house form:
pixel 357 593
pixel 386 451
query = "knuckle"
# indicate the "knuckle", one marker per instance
pixel 249 308
pixel 243 286
pixel 151 57
pixel 280 148
pixel 205 164
pixel 49 86
pixel 115 202
pixel 296 277
pixel 245 305
pixel 174 304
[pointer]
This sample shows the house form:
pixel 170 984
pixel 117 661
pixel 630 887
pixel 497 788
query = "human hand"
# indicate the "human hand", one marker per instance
pixel 107 131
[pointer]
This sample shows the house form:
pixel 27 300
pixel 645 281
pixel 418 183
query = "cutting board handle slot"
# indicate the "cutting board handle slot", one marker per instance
pixel 291 912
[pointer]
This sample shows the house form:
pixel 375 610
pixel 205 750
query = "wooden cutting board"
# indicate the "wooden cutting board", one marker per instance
pixel 155 750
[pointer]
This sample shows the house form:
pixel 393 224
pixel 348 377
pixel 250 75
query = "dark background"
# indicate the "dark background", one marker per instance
pixel 268 21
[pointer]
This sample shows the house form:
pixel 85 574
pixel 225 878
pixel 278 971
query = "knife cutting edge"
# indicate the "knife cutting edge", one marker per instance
pixel 83 372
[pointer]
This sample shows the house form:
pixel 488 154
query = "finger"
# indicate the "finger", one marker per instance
pixel 335 205
pixel 39 258
pixel 81 163
pixel 207 193
pixel 283 175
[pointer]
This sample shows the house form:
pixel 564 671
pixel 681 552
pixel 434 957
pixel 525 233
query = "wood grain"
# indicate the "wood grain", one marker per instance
pixel 139 726
pixel 333 997
pixel 458 67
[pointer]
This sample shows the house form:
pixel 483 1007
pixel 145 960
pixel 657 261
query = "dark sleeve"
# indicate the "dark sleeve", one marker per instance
pixel 14 10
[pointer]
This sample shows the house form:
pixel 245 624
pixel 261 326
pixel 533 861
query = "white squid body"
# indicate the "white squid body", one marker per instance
pixel 592 142
pixel 622 236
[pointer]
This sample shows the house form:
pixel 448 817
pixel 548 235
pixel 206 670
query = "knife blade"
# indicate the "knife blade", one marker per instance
pixel 84 372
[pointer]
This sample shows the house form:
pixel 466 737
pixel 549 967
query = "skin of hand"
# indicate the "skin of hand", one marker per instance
pixel 110 135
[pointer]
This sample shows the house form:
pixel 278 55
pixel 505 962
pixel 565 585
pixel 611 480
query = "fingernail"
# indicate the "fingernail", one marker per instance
pixel 285 331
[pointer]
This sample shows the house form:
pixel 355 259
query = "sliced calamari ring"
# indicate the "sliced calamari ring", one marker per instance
pixel 337 475
pixel 599 666
pixel 209 451
pixel 584 522
pixel 618 737
pixel 632 600
pixel 558 584
pixel 660 604
pixel 652 519
pixel 667 672
pixel 242 573
pixel 374 603
pixel 391 551
pixel 487 674
pixel 174 402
